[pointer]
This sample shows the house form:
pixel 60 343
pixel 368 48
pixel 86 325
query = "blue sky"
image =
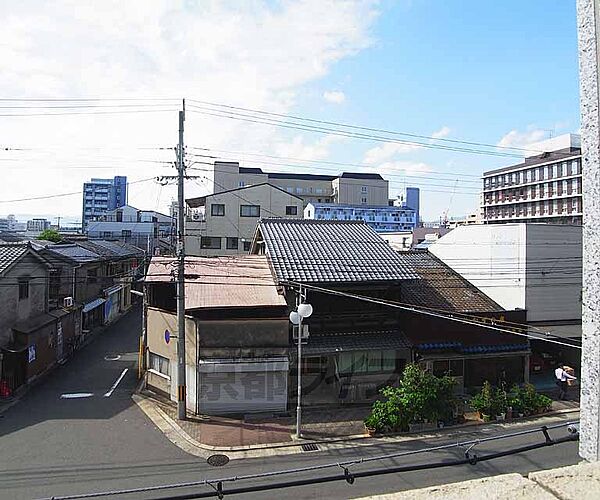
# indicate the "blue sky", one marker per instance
pixel 492 72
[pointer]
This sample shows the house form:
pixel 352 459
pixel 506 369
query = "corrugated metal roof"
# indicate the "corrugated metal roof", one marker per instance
pixel 440 287
pixel 221 282
pixel 75 252
pixel 321 251
pixel 10 253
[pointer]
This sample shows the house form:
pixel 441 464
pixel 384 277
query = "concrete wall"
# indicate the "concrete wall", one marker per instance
pixel 12 309
pixel 554 277
pixel 490 257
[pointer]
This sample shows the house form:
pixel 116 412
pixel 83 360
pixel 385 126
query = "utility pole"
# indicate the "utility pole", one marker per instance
pixel 181 383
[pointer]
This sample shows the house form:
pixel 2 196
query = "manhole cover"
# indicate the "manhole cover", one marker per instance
pixel 310 447
pixel 112 357
pixel 217 460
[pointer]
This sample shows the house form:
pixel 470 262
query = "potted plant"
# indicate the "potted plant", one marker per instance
pixel 371 424
pixel 500 402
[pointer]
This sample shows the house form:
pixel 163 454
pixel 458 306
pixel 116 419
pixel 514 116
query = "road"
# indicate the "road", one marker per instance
pixel 57 446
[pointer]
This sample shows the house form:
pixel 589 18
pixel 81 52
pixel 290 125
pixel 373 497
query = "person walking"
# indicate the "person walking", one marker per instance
pixel 561 380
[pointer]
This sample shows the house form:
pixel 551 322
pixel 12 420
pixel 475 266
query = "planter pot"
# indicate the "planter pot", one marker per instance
pixel 501 417
pixel 370 431
pixel 521 414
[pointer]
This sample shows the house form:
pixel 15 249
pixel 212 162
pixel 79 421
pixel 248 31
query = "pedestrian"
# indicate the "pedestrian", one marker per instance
pixel 561 380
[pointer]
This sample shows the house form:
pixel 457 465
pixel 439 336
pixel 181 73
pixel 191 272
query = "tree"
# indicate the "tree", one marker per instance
pixel 50 235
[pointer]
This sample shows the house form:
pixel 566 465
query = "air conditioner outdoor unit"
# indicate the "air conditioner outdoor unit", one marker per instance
pixel 68 302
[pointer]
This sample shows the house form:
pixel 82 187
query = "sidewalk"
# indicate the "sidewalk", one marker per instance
pixel 261 436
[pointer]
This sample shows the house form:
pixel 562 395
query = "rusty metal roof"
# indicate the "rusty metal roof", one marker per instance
pixel 221 282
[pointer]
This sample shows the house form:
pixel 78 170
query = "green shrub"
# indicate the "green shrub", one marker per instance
pixel 420 396
pixel 483 401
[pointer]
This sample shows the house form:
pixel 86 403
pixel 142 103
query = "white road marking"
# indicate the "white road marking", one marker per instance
pixel 77 395
pixel 118 381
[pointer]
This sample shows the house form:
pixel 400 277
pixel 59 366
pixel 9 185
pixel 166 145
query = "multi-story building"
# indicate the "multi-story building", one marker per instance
pixel 9 223
pixel 224 223
pixel 37 225
pixel 545 187
pixel 381 218
pixel 146 229
pixel 410 198
pixel 102 195
pixel 351 188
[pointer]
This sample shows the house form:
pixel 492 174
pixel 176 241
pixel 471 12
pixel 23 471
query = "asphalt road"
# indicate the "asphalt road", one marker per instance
pixel 55 446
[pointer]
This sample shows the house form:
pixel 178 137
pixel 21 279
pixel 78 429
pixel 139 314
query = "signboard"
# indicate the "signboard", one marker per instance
pixel 31 353
pixel 167 336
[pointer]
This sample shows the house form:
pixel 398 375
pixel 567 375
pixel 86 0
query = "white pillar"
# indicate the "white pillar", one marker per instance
pixel 588 12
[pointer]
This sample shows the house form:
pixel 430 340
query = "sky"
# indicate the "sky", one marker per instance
pixel 495 73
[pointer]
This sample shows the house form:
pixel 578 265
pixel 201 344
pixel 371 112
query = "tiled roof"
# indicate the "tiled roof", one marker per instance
pixel 74 252
pixel 112 248
pixel 321 251
pixel 440 287
pixel 10 253
pixel 221 282
pixel 356 341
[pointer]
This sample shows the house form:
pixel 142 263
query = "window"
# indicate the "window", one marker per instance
pixel 363 201
pixel 242 184
pixel 249 210
pixel 23 288
pixel 366 362
pixel 232 244
pixel 92 275
pixel 299 190
pixel 210 242
pixel 159 364
pixel 107 234
pixel 126 233
pixel 363 189
pixel 217 209
pixel 247 246
pixel 119 215
pixel 291 210
pixel 574 167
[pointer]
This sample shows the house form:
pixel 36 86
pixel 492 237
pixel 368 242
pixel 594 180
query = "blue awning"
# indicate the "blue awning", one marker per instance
pixel 93 304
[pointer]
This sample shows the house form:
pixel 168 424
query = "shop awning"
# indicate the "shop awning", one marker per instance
pixel 356 341
pixel 93 304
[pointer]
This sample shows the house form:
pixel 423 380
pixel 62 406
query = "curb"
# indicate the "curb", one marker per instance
pixel 174 433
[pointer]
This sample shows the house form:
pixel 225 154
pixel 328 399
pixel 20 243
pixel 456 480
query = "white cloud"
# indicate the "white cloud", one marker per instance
pixel 516 139
pixel 387 151
pixel 334 96
pixel 257 55
pixel 298 148
pixel 404 167
pixel 441 133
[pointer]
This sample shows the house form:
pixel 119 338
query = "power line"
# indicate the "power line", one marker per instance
pixel 368 129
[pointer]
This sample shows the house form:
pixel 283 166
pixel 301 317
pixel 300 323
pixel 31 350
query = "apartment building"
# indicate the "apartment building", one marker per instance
pixel 351 188
pixel 224 223
pixel 147 229
pixel 37 225
pixel 382 219
pixel 102 195
pixel 546 187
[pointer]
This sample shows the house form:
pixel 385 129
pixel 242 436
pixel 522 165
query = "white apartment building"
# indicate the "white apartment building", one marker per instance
pixel 37 225
pixel 223 223
pixel 351 188
pixel 546 187
pixel 536 267
pixel 146 229
pixel 383 219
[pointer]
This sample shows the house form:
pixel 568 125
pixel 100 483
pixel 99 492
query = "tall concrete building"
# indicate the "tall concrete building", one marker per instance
pixel 102 195
pixel 546 187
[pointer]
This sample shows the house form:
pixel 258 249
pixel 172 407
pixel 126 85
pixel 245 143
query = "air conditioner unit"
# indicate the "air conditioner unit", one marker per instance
pixel 68 302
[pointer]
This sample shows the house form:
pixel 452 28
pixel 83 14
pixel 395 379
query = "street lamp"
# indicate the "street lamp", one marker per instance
pixel 302 311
